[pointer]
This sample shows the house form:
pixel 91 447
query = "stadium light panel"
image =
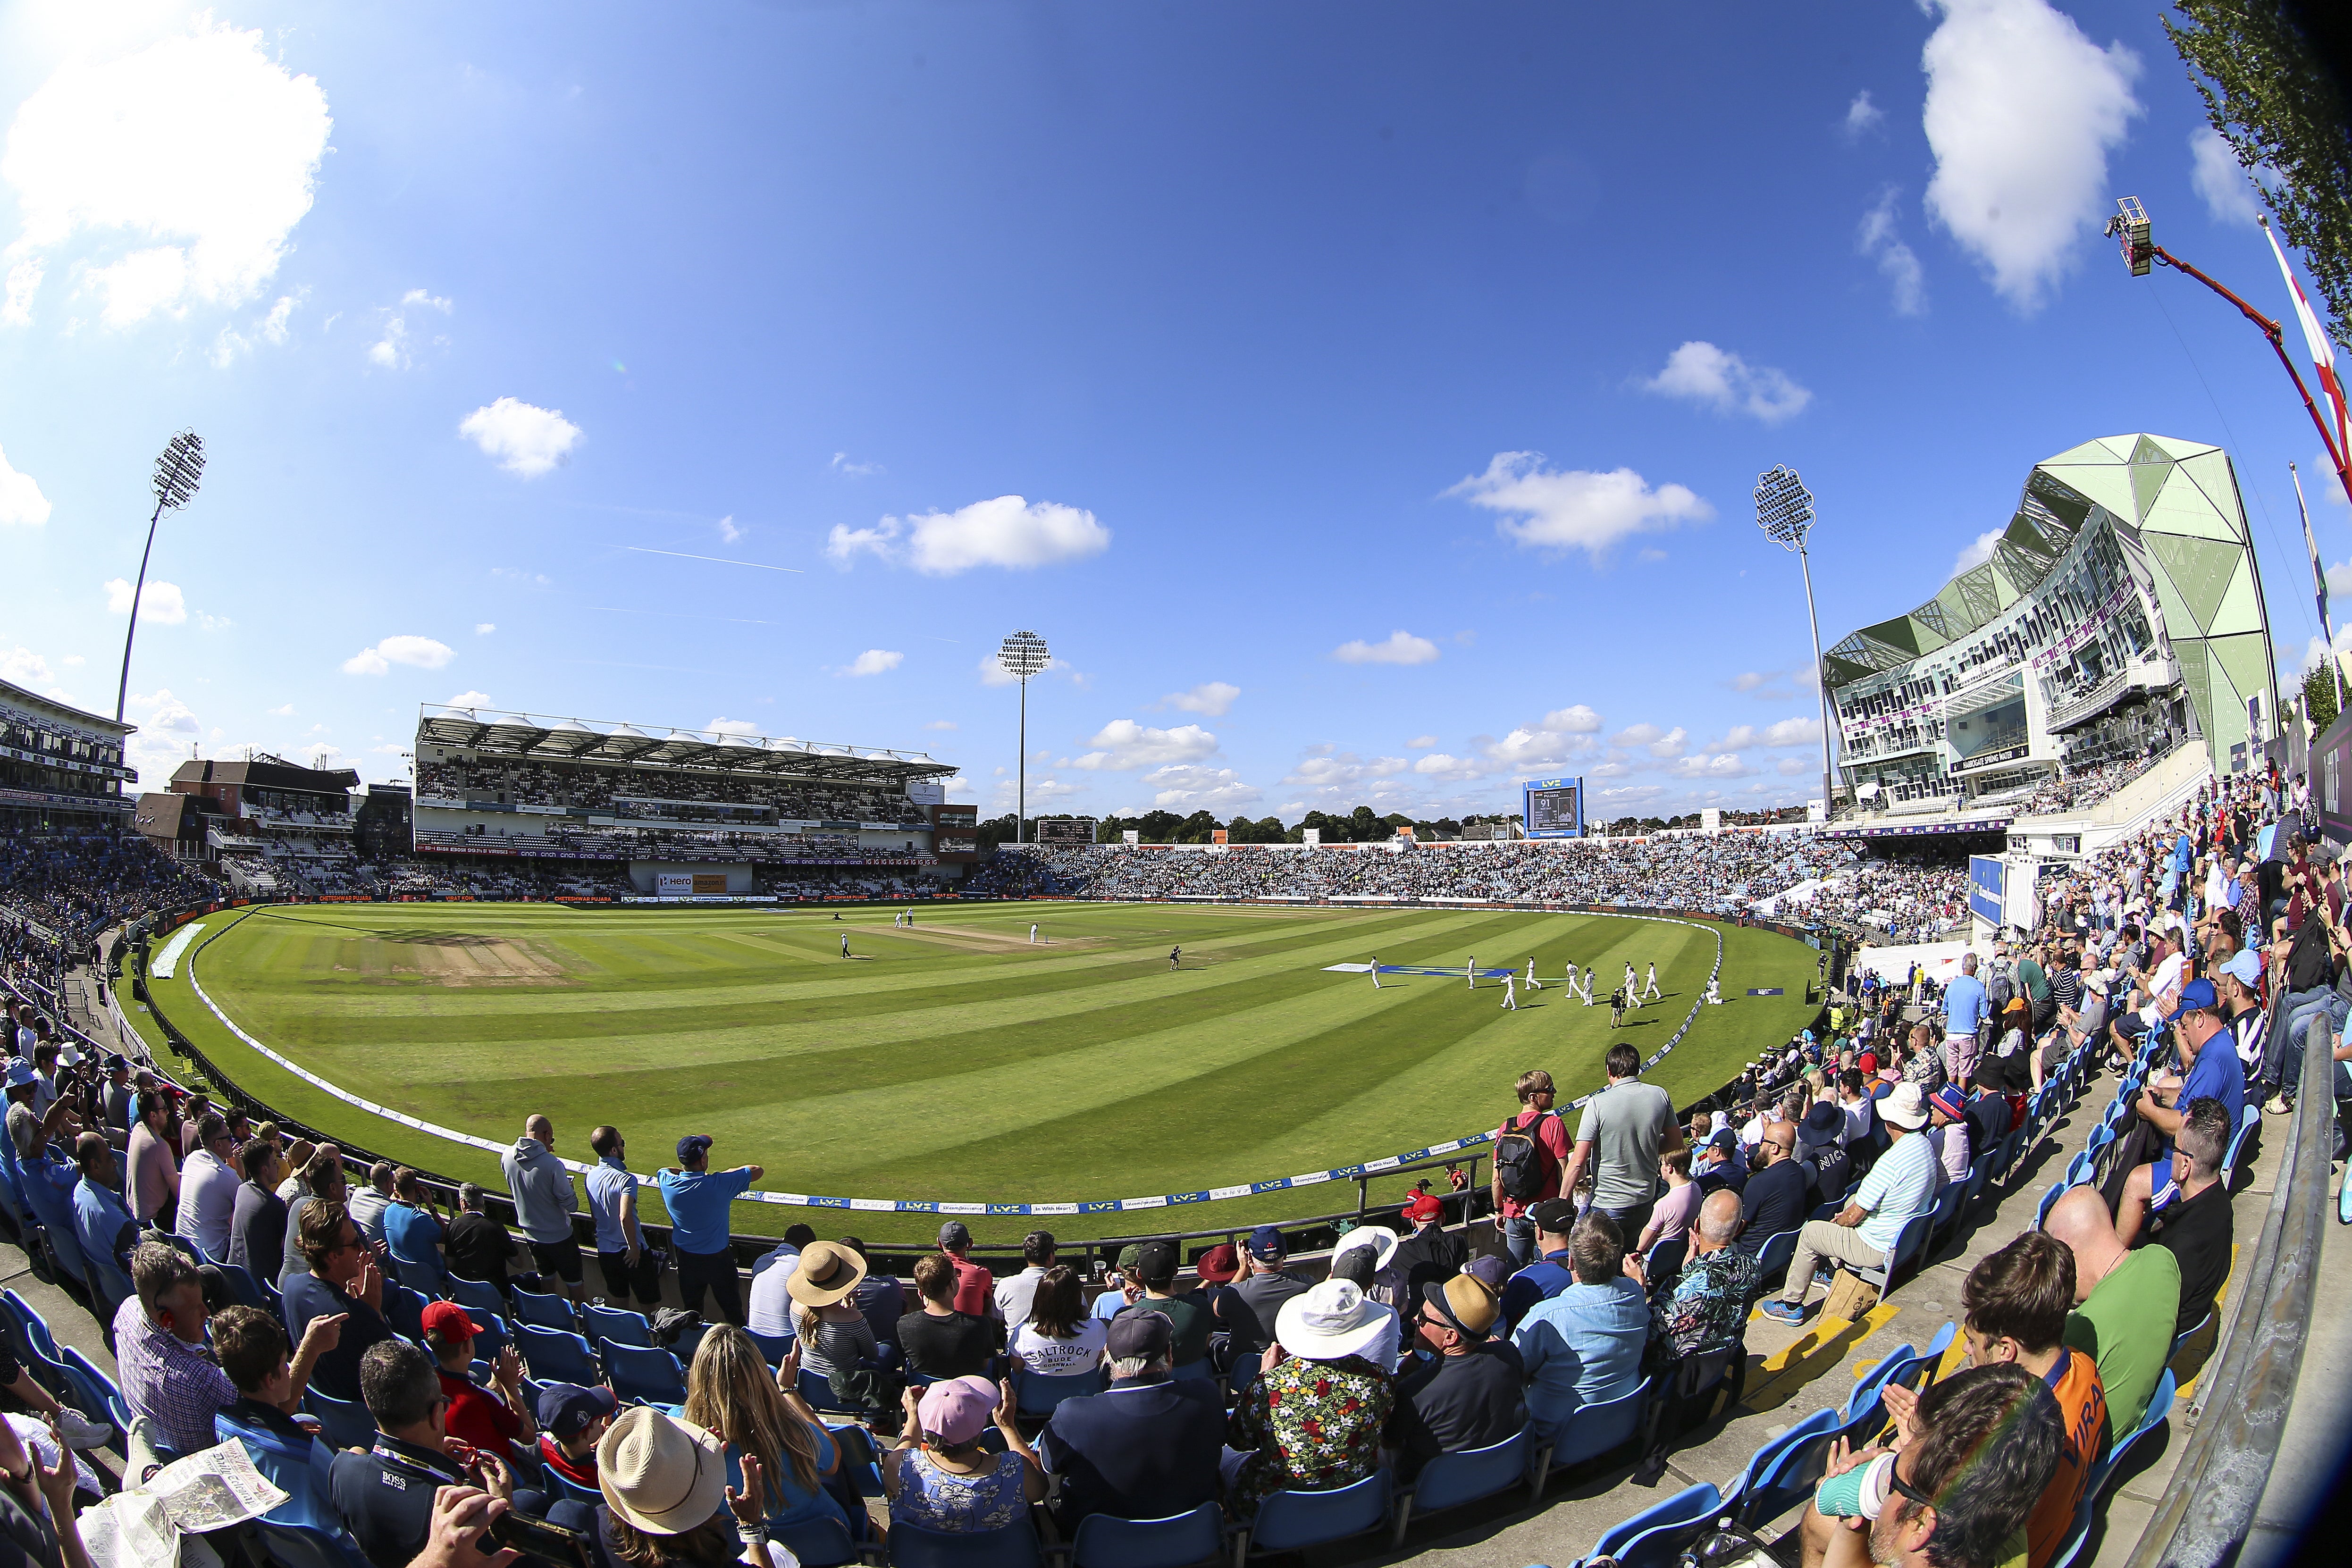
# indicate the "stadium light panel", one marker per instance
pixel 1784 507
pixel 179 470
pixel 1024 655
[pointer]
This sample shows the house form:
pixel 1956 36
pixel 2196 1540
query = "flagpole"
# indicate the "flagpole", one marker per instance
pixel 2319 582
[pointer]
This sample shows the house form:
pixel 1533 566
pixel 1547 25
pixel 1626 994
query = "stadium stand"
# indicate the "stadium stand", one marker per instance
pixel 1349 1449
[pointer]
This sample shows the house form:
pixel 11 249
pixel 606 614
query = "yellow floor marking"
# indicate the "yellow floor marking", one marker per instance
pixel 1815 1352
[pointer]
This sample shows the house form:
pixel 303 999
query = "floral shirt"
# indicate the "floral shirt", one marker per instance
pixel 1308 1424
pixel 1706 1304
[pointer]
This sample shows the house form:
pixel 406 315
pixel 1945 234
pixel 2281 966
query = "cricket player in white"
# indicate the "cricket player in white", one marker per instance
pixel 1470 971
pixel 1032 935
pixel 1588 985
pixel 1714 993
pixel 1651 990
pixel 1376 971
pixel 1510 992
pixel 1633 986
pixel 845 944
pixel 1533 984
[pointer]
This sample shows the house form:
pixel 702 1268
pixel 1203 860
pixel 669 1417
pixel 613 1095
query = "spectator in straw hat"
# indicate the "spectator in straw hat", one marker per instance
pixel 1313 1418
pixel 666 1500
pixel 836 1339
pixel 1472 1393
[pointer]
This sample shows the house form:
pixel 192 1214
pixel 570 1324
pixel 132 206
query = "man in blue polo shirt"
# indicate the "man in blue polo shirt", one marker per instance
pixel 1964 1001
pixel 698 1200
pixel 2215 1073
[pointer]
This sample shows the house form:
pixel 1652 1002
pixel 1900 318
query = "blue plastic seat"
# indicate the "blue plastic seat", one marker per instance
pixel 477 1296
pixel 1772 1259
pixel 293 1471
pixel 1654 1537
pixel 1910 1248
pixel 1449 1480
pixel 100 1396
pixel 545 1311
pixel 2160 1405
pixel 1292 1520
pixel 2182 1338
pixel 428 1277
pixel 561 1487
pixel 1015 1546
pixel 819 1542
pixel 1039 1394
pixel 645 1372
pixel 1178 1541
pixel 404 1309
pixel 243 1287
pixel 1244 1371
pixel 1666 1260
pixel 2070 1546
pixel 1782 1473
pixel 615 1326
pixel 817 1393
pixel 556 1355
pixel 343 1424
pixel 1599 1429
pixel 2048 1201
pixel 294 1546
pixel 773 1347
pixel 1947 1213
pixel 2238 1144
pixel 1865 1389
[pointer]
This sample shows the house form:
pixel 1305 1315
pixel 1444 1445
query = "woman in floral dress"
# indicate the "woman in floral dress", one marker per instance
pixel 1314 1417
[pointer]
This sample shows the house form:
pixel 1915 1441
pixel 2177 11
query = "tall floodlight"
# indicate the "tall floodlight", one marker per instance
pixel 177 473
pixel 1784 510
pixel 1023 655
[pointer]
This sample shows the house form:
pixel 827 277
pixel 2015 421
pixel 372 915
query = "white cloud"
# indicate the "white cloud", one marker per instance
pixel 201 142
pixel 1123 743
pixel 1399 647
pixel 873 661
pixel 1719 379
pixel 483 628
pixel 423 652
pixel 1978 550
pixel 731 726
pixel 321 755
pixel 1787 732
pixel 274 328
pixel 1791 766
pixel 72 661
pixel 283 711
pixel 1214 698
pixel 727 532
pixel 1007 531
pixel 2220 179
pixel 2314 653
pixel 1572 509
pixel 1438 765
pixel 1420 742
pixel 941 723
pixel 160 603
pixel 1660 744
pixel 21 500
pixel 525 439
pixel 1880 238
pixel 1329 771
pixel 470 699
pixel 24 282
pixel 2324 487
pixel 1726 766
pixel 164 714
pixel 23 667
pixel 992 673
pixel 393 351
pixel 1863 115
pixel 842 464
pixel 2021 112
pixel 1190 788
pixel 1575 720
pixel 1561 736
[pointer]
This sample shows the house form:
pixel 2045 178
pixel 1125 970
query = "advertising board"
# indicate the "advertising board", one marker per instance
pixel 675 884
pixel 1988 881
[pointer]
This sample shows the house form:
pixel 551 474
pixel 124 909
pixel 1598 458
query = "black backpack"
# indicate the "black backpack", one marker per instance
pixel 1519 1157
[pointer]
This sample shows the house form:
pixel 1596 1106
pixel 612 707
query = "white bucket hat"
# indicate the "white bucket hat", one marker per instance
pixel 1904 1107
pixel 1330 1321
pixel 1379 1238
pixel 663 1475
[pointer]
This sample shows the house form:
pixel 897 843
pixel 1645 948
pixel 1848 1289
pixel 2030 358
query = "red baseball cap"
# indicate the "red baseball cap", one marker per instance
pixel 1423 1205
pixel 448 1319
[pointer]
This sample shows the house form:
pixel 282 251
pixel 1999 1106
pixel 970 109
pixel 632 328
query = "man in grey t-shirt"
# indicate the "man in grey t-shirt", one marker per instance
pixel 1631 1123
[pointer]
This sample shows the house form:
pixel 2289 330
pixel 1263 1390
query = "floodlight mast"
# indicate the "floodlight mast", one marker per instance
pixel 1023 655
pixel 2130 226
pixel 1784 510
pixel 178 472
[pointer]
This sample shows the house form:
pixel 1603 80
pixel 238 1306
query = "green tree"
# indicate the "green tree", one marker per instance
pixel 2269 91
pixel 2319 698
pixel 995 830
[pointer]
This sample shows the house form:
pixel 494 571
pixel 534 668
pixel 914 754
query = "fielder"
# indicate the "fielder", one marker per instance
pixel 1533 984
pixel 1175 956
pixel 1376 971
pixel 1632 987
pixel 1650 991
pixel 845 944
pixel 1511 993
pixel 1470 971
pixel 1033 931
pixel 1588 985
pixel 1714 992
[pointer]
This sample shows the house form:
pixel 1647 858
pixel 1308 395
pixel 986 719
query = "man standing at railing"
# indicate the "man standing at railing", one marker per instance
pixel 545 1200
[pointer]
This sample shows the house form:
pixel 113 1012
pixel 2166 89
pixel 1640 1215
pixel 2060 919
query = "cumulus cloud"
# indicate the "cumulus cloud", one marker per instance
pixel 199 147
pixel 24 667
pixel 1007 531
pixel 2021 112
pixel 1329 771
pixel 1399 647
pixel 1214 698
pixel 273 329
pixel 21 500
pixel 1438 765
pixel 873 661
pixel 992 673
pixel 1880 237
pixel 1123 743
pixel 1571 508
pixel 1561 736
pixel 395 351
pixel 483 628
pixel 1421 743
pixel 941 723
pixel 470 699
pixel 1724 766
pixel 731 726
pixel 423 652
pixel 727 532
pixel 842 464
pixel 1787 732
pixel 1863 115
pixel 525 439
pixel 1187 787
pixel 1652 741
pixel 163 714
pixel 1719 379
pixel 1978 550
pixel 160 603
pixel 2217 175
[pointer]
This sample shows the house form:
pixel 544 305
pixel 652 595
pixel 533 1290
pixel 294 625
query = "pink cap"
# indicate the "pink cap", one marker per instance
pixel 958 1409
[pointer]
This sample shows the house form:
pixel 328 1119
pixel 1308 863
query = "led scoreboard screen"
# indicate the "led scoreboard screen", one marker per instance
pixel 1555 808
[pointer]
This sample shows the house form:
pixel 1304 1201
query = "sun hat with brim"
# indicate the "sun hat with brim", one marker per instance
pixel 1379 1238
pixel 1467 1302
pixel 1821 1125
pixel 1218 1264
pixel 827 1273
pixel 1330 1321
pixel 21 1074
pixel 662 1475
pixel 1905 1108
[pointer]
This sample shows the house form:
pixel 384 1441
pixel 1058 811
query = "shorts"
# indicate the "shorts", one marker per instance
pixel 560 1259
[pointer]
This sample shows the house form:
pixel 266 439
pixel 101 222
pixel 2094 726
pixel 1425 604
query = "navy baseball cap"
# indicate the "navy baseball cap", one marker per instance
pixel 2195 995
pixel 566 1409
pixel 1267 1242
pixel 693 1147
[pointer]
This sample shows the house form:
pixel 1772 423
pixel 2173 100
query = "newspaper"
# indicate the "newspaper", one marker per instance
pixel 214 1489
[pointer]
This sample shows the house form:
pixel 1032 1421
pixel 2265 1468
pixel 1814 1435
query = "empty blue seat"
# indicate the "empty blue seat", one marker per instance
pixel 645 1372
pixel 820 1543
pixel 546 1311
pixel 773 1347
pixel 291 1469
pixel 556 1355
pixel 1015 1546
pixel 1654 1537
pixel 1865 1390
pixel 1178 1541
pixel 615 1326
pixel 343 1424
pixel 100 1398
pixel 1039 1394
pixel 1772 1259
pixel 1666 1260
pixel 2160 1405
pixel 1598 1429
pixel 477 1295
pixel 1449 1480
pixel 1783 1472
pixel 1292 1520
pixel 296 1546
pixel 1910 1249
pixel 2238 1144
pixel 404 1309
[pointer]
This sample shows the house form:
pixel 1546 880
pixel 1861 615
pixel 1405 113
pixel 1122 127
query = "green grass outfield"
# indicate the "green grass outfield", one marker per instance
pixel 955 1061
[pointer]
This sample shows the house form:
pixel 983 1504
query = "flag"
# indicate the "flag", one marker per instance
pixel 2318 573
pixel 2323 353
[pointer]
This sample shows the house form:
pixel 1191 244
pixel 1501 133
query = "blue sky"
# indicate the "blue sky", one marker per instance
pixel 1362 399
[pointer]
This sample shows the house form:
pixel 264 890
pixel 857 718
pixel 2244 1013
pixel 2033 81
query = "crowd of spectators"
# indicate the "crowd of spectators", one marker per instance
pixel 76 884
pixel 642 792
pixel 2077 790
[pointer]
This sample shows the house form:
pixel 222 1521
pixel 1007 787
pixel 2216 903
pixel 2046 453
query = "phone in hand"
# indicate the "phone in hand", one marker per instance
pixel 538 1541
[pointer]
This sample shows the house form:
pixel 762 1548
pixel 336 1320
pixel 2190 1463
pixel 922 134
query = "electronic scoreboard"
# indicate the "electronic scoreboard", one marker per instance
pixel 1555 808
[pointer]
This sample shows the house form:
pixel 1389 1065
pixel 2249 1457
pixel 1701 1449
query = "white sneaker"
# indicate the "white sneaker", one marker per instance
pixel 81 1432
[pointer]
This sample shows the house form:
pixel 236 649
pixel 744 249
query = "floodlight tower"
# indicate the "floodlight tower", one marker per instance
pixel 1784 510
pixel 177 473
pixel 1023 655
